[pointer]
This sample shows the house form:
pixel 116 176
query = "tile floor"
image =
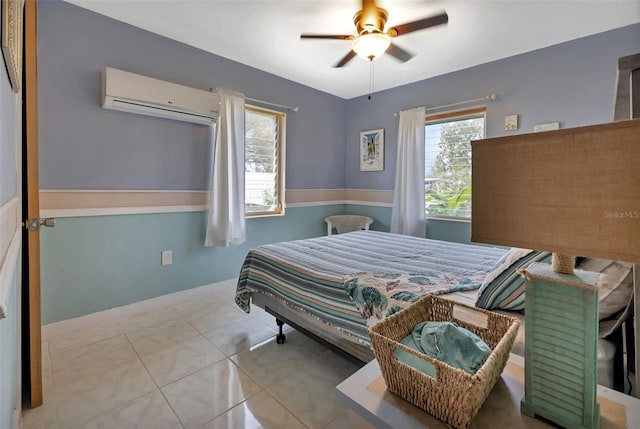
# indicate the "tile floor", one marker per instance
pixel 196 364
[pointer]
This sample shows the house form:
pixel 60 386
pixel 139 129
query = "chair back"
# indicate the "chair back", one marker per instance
pixel 347 223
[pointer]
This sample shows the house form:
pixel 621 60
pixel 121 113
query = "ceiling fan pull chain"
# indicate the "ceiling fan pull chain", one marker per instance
pixel 370 77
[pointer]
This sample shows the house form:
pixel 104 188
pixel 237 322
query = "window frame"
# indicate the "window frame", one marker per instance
pixel 281 119
pixel 442 117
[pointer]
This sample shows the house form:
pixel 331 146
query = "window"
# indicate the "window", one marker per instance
pixel 264 162
pixel 447 179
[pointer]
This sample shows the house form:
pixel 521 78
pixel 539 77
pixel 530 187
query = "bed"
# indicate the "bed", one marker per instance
pixel 332 287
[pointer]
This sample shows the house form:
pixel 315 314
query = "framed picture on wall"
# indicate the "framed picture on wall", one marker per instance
pixel 12 40
pixel 372 150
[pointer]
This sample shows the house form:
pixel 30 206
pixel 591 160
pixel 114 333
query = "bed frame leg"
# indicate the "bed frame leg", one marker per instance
pixel 280 338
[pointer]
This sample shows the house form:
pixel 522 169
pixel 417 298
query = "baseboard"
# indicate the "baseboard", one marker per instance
pixel 111 315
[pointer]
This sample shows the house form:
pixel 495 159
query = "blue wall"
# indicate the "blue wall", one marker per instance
pixel 572 83
pixel 437 229
pixel 90 264
pixel 94 263
pixel 83 146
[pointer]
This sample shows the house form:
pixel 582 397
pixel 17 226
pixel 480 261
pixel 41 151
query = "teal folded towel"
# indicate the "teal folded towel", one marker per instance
pixel 446 342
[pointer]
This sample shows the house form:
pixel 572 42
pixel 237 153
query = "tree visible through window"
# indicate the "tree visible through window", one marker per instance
pixel 447 181
pixel 264 172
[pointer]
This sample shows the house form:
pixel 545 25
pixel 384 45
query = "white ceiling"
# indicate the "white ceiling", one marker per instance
pixel 266 34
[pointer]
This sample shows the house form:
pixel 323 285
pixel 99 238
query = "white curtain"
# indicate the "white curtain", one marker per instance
pixel 225 220
pixel 407 216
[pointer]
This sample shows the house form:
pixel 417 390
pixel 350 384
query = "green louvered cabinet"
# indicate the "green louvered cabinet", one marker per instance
pixel 561 334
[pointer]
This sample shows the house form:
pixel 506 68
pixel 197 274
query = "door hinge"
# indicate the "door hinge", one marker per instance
pixel 34 224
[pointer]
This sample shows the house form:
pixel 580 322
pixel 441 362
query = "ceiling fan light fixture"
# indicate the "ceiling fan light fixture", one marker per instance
pixel 371 45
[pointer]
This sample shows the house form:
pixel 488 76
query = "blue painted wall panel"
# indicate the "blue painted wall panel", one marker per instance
pixel 91 264
pixel 381 215
pixel 436 229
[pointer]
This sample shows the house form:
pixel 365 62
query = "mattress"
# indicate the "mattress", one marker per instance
pixel 310 275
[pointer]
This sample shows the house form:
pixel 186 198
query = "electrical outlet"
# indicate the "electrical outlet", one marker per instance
pixel 167 257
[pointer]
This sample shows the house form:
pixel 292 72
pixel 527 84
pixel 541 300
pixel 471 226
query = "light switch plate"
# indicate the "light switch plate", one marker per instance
pixel 167 257
pixel 511 122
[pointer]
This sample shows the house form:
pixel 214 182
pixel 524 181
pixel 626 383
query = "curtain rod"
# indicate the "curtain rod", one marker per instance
pixel 489 97
pixel 255 100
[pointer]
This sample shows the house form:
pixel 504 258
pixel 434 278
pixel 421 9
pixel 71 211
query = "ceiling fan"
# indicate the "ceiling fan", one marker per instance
pixel 372 40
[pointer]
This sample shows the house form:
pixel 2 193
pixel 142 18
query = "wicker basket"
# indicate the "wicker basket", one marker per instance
pixel 453 396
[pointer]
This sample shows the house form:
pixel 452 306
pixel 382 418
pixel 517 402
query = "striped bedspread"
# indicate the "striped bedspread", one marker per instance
pixel 312 275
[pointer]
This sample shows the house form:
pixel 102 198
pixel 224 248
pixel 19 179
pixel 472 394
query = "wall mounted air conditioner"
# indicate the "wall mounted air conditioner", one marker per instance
pixel 134 93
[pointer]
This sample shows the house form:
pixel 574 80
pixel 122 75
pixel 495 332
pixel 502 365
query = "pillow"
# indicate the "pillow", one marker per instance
pixel 503 288
pixel 616 284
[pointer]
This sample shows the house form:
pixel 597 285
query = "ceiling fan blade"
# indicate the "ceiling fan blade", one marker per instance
pixel 327 36
pixel 399 53
pixel 420 24
pixel 346 59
